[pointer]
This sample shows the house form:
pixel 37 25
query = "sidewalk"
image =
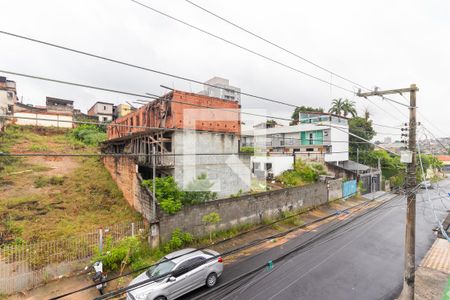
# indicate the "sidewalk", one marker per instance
pixel 433 273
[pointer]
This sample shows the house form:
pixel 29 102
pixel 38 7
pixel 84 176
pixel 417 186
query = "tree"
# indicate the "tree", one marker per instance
pixel 211 219
pixel 303 109
pixel 348 107
pixel 271 123
pixel 363 128
pixel 336 107
pixel 343 107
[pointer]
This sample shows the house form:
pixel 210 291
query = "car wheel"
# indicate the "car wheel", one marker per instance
pixel 161 298
pixel 211 280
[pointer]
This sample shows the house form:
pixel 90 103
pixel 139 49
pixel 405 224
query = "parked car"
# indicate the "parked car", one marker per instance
pixel 186 270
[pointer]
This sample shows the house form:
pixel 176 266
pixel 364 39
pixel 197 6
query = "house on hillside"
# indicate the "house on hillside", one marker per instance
pixel 122 110
pixel 27 114
pixel 104 111
pixel 58 105
pixel 187 140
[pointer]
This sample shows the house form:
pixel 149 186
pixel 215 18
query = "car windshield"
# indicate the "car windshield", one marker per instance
pixel 164 266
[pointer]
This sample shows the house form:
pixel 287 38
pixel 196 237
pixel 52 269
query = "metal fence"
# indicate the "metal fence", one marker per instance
pixel 349 188
pixel 28 265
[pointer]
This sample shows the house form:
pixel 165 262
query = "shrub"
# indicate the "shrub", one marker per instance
pixel 247 150
pixel 122 253
pixel 211 219
pixel 91 135
pixel 302 173
pixel 171 198
pixel 168 194
pixel 178 240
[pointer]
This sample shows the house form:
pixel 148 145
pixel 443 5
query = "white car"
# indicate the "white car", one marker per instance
pixel 186 270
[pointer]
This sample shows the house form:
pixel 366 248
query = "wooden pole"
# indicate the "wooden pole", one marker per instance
pixel 411 182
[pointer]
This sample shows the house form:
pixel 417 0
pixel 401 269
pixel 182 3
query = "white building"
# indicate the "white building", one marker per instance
pixel 320 137
pixel 223 91
pixel 104 111
pixel 41 116
pixel 8 96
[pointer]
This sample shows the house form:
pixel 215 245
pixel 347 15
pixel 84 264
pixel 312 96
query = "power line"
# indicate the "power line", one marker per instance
pixel 181 102
pixel 153 97
pixel 5 154
pixel 249 50
pixel 444 233
pixel 140 95
pixel 302 246
pixel 275 44
pixel 140 67
pixel 132 66
pixel 251 244
pixel 241 47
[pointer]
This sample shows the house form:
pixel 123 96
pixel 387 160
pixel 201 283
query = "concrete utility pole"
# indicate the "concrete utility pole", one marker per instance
pixel 411 182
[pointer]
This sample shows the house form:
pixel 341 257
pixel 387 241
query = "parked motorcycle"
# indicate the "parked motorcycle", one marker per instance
pixel 99 277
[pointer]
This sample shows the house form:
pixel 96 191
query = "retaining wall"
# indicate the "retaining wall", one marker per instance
pixel 249 209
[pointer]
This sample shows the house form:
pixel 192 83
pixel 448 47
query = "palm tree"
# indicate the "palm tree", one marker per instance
pixel 348 107
pixel 336 107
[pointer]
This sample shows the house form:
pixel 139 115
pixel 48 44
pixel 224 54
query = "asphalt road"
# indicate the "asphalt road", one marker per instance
pixel 362 260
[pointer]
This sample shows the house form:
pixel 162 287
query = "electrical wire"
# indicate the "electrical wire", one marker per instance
pixel 274 236
pixel 7 154
pixel 280 258
pixel 275 45
pixel 241 47
pixel 139 67
pixel 443 232
pixel 215 244
pixel 251 244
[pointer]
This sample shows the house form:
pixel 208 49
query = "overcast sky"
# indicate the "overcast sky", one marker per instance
pixel 389 44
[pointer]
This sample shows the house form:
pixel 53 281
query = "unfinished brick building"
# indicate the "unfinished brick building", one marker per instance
pixel 189 135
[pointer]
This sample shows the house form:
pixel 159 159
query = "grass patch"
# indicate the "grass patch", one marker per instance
pixel 78 202
pixel 42 181
pixel 38 148
pixel 292 219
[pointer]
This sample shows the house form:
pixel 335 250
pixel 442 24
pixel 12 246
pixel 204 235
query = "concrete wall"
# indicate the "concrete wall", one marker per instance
pixel 54 119
pixel 339 144
pixel 279 163
pixel 228 172
pixel 246 209
pixel 335 189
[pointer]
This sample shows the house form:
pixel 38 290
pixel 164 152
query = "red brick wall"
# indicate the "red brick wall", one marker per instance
pixel 225 119
pixel 123 172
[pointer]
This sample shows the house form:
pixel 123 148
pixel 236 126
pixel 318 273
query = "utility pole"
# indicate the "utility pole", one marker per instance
pixel 411 182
